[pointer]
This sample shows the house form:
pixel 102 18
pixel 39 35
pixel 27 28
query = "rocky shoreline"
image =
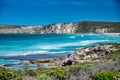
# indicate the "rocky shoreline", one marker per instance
pixel 88 54
pixel 117 34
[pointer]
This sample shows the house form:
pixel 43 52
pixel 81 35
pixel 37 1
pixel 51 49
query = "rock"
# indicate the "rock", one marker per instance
pixel 43 61
pixel 103 30
pixel 33 62
pixel 26 62
pixel 68 63
pixel 87 54
pixel 52 64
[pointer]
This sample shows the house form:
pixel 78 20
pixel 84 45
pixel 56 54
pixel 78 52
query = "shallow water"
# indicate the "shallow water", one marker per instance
pixel 17 47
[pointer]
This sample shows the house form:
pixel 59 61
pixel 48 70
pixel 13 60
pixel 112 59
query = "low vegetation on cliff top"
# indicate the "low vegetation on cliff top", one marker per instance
pixel 83 71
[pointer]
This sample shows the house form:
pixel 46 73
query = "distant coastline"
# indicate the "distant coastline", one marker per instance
pixel 113 34
pixel 64 28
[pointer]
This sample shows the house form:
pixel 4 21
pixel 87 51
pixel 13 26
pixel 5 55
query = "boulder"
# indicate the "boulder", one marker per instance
pixel 68 63
pixel 26 62
pixel 43 61
pixel 32 62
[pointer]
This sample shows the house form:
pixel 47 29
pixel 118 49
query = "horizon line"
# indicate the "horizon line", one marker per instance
pixel 60 23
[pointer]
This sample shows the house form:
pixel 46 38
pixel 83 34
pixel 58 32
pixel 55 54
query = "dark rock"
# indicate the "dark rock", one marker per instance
pixel 68 63
pixel 107 52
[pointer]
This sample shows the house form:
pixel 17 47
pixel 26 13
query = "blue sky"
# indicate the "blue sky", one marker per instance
pixel 41 12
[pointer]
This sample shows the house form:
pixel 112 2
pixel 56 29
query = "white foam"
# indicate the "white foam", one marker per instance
pixel 72 37
pixel 44 49
pixel 82 35
pixel 61 45
pixel 22 53
pixel 59 52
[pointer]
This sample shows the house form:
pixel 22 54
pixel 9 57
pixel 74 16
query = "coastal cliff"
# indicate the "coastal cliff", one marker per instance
pixel 73 27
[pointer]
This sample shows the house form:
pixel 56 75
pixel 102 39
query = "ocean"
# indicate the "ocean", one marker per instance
pixel 15 48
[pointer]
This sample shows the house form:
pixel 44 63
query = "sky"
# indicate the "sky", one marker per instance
pixel 42 12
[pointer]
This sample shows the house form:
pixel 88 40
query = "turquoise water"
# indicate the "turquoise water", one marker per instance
pixel 52 44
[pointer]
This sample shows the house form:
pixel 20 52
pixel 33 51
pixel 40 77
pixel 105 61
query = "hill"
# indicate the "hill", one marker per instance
pixel 73 27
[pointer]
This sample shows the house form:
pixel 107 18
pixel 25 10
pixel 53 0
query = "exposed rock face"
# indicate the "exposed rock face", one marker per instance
pixel 103 30
pixel 75 27
pixel 17 30
pixel 91 53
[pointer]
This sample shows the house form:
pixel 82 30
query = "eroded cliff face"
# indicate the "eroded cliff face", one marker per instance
pixel 17 30
pixel 53 28
pixel 75 27
pixel 58 28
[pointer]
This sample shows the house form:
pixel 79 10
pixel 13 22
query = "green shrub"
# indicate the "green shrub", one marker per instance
pixel 55 73
pixel 31 72
pixel 5 74
pixel 21 78
pixel 104 76
pixel 43 77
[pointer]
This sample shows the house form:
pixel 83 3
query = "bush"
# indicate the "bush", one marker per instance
pixel 5 74
pixel 55 73
pixel 31 72
pixel 21 78
pixel 104 76
pixel 43 77
pixel 80 72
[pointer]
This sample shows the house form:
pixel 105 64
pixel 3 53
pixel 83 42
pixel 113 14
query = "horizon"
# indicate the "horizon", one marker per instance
pixel 45 12
pixel 62 23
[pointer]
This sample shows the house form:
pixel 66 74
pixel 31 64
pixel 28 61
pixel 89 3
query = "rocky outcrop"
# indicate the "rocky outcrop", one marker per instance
pixel 88 54
pixel 103 30
pixel 91 53
pixel 73 27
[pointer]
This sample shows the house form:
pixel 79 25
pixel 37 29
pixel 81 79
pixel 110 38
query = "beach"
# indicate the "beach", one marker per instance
pixel 17 48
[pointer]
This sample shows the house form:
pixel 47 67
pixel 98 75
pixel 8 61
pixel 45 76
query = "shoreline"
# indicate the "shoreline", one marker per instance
pixel 81 55
pixel 87 54
pixel 117 34
pixel 51 57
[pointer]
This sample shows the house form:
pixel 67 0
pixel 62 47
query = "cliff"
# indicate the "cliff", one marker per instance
pixel 73 27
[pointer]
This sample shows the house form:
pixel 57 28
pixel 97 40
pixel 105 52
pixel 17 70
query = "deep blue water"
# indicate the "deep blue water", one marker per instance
pixel 52 44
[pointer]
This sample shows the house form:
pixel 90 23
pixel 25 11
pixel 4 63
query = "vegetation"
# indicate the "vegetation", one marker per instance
pixel 80 71
pixel 6 74
pixel 104 76
pixel 21 78
pixel 89 26
pixel 43 77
